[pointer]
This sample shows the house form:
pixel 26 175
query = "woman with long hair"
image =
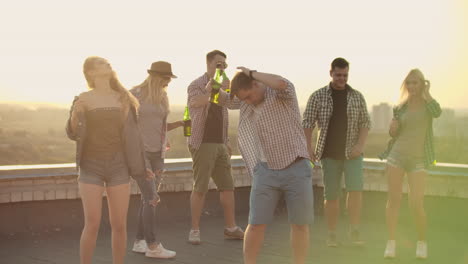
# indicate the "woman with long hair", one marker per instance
pixel 109 149
pixel 410 152
pixel 153 112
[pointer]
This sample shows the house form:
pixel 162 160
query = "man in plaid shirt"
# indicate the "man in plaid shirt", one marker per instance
pixel 273 145
pixel 209 148
pixel 340 113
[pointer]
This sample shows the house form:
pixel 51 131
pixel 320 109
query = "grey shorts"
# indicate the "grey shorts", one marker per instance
pixel 294 182
pixel 109 171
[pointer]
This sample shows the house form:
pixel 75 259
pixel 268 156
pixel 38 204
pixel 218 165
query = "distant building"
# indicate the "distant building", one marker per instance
pixel 446 125
pixel 381 117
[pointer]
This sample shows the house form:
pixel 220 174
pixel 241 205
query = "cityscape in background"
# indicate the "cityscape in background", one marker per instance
pixel 449 124
pixel 34 134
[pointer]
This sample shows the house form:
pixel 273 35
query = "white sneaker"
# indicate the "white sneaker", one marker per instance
pixel 160 252
pixel 194 237
pixel 139 246
pixel 421 250
pixel 390 250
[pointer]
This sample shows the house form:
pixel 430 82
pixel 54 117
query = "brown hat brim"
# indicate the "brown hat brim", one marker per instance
pixel 167 74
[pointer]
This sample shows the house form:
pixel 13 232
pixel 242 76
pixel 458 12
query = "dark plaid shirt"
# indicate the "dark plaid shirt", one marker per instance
pixel 319 110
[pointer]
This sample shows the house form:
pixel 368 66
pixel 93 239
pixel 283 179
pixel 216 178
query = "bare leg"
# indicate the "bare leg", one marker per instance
pixel 395 183
pixel 91 197
pixel 354 206
pixel 197 201
pixel 228 203
pixel 254 235
pixel 417 183
pixel 117 199
pixel 332 209
pixel 300 242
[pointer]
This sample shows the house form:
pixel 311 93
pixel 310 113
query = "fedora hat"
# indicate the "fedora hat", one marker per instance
pixel 162 68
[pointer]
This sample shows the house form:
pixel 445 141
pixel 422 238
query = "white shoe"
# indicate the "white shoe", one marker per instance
pixel 160 252
pixel 194 237
pixel 139 246
pixel 421 250
pixel 390 250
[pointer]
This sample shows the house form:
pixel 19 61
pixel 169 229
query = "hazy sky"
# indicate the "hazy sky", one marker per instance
pixel 43 43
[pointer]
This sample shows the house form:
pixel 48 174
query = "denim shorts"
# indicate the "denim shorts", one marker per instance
pixel 294 182
pixel 333 171
pixel 108 171
pixel 409 164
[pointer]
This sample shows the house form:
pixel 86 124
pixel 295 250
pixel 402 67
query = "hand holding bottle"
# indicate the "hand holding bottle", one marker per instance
pixel 225 85
pixel 209 86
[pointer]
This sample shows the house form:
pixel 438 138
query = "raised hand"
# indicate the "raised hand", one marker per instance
pixel 426 94
pixel 245 70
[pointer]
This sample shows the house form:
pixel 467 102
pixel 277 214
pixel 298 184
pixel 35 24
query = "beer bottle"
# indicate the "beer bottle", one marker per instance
pixel 228 90
pixel 187 123
pixel 216 86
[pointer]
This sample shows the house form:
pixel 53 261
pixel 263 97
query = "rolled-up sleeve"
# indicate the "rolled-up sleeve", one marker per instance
pixel 226 100
pixel 434 108
pixel 310 114
pixel 288 93
pixel 364 118
pixel 193 91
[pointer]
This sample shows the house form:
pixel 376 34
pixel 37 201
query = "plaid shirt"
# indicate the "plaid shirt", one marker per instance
pixel 278 128
pixel 319 110
pixel 199 114
pixel 434 110
pixel 139 97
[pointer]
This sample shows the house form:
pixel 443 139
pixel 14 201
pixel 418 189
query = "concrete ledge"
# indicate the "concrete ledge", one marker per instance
pixel 58 181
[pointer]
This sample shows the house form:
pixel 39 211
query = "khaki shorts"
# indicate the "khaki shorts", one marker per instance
pixel 211 160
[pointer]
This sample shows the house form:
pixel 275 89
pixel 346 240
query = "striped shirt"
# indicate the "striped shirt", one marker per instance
pixel 320 109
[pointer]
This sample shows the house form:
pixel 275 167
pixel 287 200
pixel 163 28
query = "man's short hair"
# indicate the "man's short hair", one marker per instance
pixel 339 63
pixel 210 55
pixel 240 81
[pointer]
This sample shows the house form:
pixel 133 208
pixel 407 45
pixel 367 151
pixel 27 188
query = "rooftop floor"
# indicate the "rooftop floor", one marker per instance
pixel 48 232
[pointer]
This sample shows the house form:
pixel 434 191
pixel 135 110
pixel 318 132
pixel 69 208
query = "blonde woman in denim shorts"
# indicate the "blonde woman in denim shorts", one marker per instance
pixel 410 152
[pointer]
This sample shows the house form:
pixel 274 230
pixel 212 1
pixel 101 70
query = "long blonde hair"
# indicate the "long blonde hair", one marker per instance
pixel 126 98
pixel 404 94
pixel 153 90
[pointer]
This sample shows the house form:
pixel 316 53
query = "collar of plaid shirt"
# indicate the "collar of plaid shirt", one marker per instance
pixel 278 128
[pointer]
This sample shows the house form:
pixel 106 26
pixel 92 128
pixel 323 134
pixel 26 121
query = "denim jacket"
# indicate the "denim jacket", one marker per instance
pixel 131 139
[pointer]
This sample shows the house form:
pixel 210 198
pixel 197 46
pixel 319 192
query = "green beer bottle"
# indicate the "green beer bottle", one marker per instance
pixel 187 123
pixel 216 86
pixel 228 90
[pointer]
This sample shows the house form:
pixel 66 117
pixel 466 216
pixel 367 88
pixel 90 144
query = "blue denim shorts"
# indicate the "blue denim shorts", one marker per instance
pixel 408 164
pixel 104 171
pixel 295 182
pixel 333 171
